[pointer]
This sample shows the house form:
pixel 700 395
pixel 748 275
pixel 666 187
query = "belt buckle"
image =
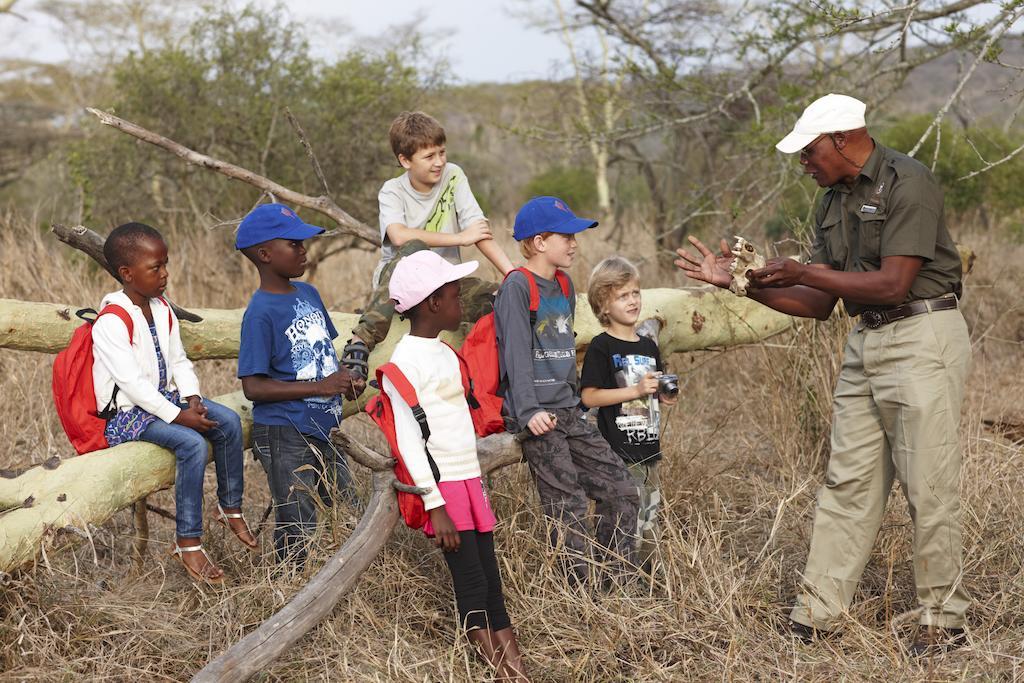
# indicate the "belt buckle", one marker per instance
pixel 872 319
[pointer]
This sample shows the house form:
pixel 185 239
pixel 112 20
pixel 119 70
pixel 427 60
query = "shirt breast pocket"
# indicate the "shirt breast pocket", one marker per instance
pixel 871 220
pixel 831 236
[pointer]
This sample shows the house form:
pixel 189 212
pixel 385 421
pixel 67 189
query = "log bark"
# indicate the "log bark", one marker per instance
pixel 347 224
pixel 340 574
pixel 83 490
pixel 694 318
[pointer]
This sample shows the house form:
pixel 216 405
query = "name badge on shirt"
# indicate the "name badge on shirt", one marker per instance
pixel 868 208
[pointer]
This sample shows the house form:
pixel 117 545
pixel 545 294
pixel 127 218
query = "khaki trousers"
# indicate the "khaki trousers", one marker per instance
pixel 896 414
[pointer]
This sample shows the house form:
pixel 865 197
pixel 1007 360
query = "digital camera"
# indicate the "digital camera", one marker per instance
pixel 668 385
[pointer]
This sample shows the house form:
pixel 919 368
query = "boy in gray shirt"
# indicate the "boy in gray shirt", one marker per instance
pixel 430 206
pixel 570 460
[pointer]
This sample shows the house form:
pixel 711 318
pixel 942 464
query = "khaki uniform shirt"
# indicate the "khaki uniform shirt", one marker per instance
pixel 894 208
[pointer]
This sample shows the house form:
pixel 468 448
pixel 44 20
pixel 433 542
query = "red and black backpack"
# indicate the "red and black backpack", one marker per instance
pixel 480 351
pixel 73 391
pixel 380 410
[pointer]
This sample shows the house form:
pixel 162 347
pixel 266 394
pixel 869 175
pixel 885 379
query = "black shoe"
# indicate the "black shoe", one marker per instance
pixel 933 640
pixel 806 634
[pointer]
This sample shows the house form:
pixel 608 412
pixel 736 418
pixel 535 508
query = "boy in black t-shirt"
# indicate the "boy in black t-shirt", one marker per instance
pixel 620 377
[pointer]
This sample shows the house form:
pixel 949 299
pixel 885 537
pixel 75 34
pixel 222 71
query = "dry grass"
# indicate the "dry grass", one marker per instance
pixel 745 453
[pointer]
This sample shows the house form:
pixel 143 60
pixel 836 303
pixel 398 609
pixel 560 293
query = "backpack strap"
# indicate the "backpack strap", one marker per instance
pixel 531 279
pixel 170 314
pixel 563 282
pixel 408 394
pixel 125 317
pixel 113 309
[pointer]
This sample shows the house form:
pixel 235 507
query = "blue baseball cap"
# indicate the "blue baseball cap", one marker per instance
pixel 547 214
pixel 270 222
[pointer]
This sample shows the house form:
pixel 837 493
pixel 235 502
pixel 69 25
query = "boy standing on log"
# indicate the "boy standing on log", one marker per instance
pixel 289 370
pixel 430 206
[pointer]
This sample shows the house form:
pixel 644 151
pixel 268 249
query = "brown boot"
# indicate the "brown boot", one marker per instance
pixel 510 659
pixel 486 643
pixel 933 640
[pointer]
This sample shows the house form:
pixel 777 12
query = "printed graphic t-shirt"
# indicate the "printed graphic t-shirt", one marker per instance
pixel 539 362
pixel 288 337
pixel 633 429
pixel 449 207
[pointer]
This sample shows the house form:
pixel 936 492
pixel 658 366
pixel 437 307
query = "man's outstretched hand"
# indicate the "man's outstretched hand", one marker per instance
pixel 706 267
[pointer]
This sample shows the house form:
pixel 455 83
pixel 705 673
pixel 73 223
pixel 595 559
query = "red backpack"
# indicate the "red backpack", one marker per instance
pixel 481 353
pixel 73 391
pixel 381 412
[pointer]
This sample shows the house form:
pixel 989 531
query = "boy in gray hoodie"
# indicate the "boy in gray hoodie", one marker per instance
pixel 570 460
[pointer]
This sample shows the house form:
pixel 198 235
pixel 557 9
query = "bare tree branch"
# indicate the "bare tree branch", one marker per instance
pixel 323 204
pixel 341 572
pixel 990 165
pixel 309 151
pixel 1005 20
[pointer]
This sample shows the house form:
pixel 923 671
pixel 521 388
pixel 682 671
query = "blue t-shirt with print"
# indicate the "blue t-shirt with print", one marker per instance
pixel 288 337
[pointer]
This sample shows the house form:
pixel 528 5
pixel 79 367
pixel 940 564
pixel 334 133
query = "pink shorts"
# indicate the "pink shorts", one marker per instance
pixel 467 504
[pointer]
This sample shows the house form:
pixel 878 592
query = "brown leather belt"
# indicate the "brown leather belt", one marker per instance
pixel 873 319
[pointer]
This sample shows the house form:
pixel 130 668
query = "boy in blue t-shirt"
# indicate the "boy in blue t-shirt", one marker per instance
pixel 290 372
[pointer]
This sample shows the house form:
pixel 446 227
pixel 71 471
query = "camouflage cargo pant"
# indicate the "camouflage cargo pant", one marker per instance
pixel 477 300
pixel 648 483
pixel 571 464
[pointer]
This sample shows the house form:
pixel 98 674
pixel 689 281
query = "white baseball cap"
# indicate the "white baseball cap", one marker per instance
pixel 829 114
pixel 418 275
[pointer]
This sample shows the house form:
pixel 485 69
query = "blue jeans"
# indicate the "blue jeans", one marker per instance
pixel 302 472
pixel 190 449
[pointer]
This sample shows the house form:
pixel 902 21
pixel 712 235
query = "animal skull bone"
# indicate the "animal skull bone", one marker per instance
pixel 746 259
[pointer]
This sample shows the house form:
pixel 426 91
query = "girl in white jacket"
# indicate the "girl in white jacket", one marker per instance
pixel 155 392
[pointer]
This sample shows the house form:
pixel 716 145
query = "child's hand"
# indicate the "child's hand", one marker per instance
pixel 446 536
pixel 343 382
pixel 668 400
pixel 477 231
pixel 196 403
pixel 191 418
pixel 648 385
pixel 541 423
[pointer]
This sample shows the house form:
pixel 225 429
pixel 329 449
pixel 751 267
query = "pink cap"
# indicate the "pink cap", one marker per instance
pixel 418 275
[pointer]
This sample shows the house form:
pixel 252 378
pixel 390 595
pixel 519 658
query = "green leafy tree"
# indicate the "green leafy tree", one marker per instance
pixel 223 90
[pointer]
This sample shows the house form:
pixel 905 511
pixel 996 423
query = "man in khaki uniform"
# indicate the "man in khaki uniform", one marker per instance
pixel 881 245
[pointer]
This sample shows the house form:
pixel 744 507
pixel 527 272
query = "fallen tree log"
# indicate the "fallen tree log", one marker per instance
pixel 340 573
pixel 74 493
pixel 693 318
pixel 89 489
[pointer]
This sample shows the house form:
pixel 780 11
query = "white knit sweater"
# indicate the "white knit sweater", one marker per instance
pixel 433 371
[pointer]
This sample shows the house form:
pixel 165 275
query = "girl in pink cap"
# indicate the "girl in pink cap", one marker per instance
pixel 426 288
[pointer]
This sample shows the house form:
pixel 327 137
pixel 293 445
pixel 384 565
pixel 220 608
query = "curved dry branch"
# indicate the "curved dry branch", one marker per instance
pixel 317 598
pixel 347 224
pixel 340 574
pixel 90 243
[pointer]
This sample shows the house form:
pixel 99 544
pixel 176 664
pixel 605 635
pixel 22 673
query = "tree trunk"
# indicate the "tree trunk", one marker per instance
pixel 695 318
pixel 88 489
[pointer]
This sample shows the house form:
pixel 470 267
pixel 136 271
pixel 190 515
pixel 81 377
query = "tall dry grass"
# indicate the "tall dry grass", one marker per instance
pixel 745 450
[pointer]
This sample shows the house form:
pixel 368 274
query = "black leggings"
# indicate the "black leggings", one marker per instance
pixel 477 582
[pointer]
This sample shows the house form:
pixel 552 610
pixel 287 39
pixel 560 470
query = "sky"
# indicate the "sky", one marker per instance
pixel 484 40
